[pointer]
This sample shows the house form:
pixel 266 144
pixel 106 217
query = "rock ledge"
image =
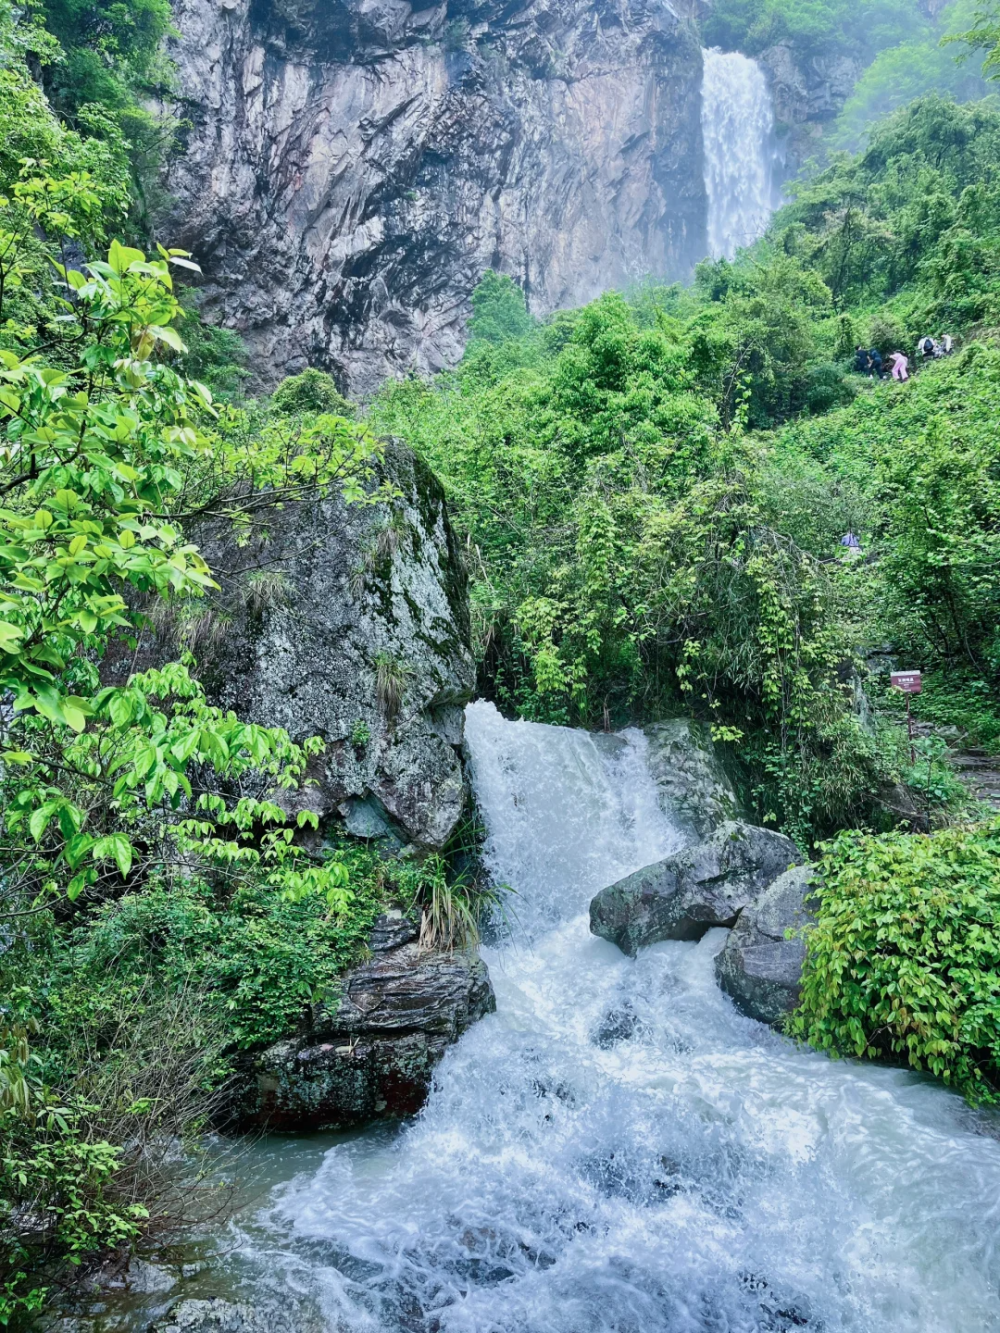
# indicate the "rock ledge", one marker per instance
pixel 371 1054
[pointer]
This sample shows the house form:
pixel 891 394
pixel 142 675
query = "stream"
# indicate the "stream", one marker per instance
pixel 617 1150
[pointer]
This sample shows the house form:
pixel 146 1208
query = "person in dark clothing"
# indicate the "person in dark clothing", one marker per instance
pixel 861 364
pixel 875 358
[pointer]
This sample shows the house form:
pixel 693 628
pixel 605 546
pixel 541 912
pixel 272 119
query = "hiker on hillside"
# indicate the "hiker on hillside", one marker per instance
pixel 861 361
pixel 899 366
pixel 875 361
pixel 946 344
pixel 925 347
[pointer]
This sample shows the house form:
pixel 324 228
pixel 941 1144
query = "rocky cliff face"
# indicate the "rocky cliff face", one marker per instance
pixel 351 167
pixel 807 92
pixel 362 639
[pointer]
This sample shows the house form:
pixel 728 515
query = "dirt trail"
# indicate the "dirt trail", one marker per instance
pixel 979 770
pixel 981 774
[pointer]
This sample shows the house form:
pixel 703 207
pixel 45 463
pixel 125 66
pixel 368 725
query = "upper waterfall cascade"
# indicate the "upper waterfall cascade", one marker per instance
pixel 737 125
pixel 617 1150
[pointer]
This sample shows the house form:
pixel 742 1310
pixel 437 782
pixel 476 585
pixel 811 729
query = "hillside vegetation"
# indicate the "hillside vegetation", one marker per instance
pixel 652 494
pixel 654 489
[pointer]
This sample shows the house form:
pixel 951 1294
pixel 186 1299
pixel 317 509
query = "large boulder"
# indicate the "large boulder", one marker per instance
pixel 707 884
pixel 761 963
pixel 350 622
pixel 692 785
pixel 371 1053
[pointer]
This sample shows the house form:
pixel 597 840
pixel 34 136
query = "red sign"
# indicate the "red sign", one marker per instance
pixel 907 681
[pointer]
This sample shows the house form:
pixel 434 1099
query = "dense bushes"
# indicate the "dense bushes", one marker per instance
pixel 904 963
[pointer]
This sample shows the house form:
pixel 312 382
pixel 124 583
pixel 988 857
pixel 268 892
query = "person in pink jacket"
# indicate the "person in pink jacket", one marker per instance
pixel 899 365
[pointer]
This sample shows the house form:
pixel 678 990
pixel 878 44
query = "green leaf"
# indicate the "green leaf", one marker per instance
pixel 74 717
pixel 10 637
pixel 41 818
pixel 121 850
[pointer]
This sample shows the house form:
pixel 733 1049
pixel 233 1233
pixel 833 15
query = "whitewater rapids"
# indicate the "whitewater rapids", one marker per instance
pixel 617 1150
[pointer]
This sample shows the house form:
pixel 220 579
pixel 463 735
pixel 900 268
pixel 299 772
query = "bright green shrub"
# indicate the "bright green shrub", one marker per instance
pixel 253 961
pixel 904 961
pixel 311 391
pixel 498 310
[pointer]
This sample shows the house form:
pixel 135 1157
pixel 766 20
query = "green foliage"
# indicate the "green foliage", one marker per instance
pixel 391 677
pixel 923 467
pixel 627 561
pixel 954 699
pixel 920 65
pixel 498 310
pixel 94 455
pixel 107 448
pixel 453 907
pixel 814 27
pixel 360 734
pixel 983 34
pixel 312 391
pixel 916 213
pixel 101 62
pixel 642 543
pixel 251 962
pixel 215 356
pixel 111 49
pixel 902 963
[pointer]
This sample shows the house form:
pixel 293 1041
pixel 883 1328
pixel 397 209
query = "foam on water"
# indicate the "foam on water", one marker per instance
pixel 616 1150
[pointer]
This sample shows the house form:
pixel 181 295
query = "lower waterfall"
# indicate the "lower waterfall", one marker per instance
pixel 617 1150
pixel 737 125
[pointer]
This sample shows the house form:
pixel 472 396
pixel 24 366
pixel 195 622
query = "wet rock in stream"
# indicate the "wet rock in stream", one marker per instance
pixel 761 963
pixel 704 885
pixel 371 1053
pixel 219 1316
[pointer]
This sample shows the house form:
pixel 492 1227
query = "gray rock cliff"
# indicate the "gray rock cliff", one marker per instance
pixel 349 168
pixel 692 785
pixel 351 623
pixel 807 91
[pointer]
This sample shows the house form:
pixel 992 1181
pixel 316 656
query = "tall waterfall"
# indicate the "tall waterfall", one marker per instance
pixel 737 126
pixel 616 1150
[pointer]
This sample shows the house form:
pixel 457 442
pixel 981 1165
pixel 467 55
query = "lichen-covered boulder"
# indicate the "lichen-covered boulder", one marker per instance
pixel 704 885
pixel 370 1054
pixel 692 785
pixel 348 622
pixel 760 965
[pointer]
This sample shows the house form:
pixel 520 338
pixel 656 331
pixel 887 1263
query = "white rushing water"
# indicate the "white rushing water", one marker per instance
pixel 737 126
pixel 616 1150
